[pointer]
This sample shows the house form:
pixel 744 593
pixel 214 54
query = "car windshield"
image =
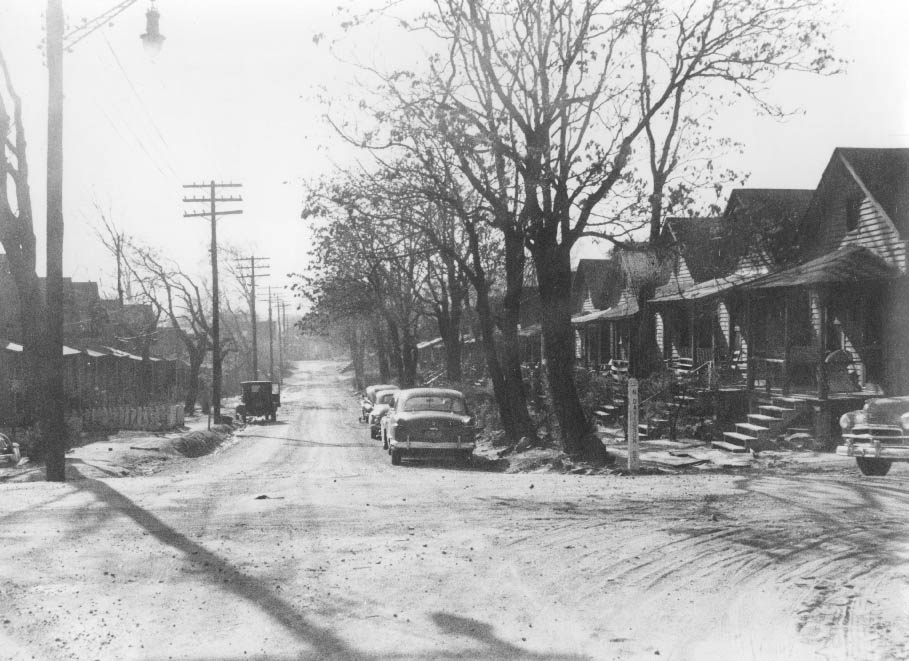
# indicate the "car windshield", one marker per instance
pixel 387 398
pixel 445 403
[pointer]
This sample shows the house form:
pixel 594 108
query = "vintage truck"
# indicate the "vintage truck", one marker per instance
pixel 877 434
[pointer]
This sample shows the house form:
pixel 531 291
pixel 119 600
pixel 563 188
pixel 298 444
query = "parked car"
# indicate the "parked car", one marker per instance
pixel 429 422
pixel 259 399
pixel 369 398
pixel 877 434
pixel 384 400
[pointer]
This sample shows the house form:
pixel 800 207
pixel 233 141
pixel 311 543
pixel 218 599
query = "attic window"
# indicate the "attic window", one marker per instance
pixel 853 211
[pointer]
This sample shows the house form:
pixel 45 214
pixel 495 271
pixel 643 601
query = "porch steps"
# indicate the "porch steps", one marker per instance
pixel 778 411
pixel 729 447
pixel 751 429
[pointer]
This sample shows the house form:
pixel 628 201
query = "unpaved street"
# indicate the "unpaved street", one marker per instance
pixel 350 557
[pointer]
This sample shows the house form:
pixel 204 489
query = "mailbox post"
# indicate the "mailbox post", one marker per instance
pixel 632 432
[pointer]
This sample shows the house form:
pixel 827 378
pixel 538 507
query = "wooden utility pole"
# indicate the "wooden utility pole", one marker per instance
pixel 52 346
pixel 271 341
pixel 212 200
pixel 251 274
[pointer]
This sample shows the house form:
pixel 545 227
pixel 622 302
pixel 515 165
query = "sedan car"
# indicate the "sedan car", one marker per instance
pixel 429 422
pixel 384 400
pixel 877 434
pixel 369 398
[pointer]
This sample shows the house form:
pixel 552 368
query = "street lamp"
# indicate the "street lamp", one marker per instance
pixel 152 39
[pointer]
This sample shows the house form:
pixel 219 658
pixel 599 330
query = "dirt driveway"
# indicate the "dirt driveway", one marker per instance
pixel 347 556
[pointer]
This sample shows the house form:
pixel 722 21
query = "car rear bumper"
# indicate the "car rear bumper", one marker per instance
pixel 432 447
pixel 874 450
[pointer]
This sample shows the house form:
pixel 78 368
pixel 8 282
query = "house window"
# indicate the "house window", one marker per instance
pixel 853 211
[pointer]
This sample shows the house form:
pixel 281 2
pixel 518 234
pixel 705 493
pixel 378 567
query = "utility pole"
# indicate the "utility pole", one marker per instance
pixel 251 274
pixel 52 346
pixel 212 200
pixel 271 341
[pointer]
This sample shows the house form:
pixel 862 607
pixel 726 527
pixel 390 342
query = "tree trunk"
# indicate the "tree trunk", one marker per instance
pixel 553 264
pixel 452 356
pixel 644 352
pixel 196 357
pixel 409 361
pixel 487 329
pixel 510 347
pixel 382 352
pixel 397 358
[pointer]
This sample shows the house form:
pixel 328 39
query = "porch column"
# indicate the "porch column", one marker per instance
pixel 823 389
pixel 787 344
pixel 749 352
pixel 691 342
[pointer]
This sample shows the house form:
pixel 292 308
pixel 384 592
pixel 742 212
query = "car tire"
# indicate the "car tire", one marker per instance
pixel 873 466
pixel 395 457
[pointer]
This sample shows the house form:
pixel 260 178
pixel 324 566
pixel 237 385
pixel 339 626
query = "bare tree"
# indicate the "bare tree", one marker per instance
pixel 17 234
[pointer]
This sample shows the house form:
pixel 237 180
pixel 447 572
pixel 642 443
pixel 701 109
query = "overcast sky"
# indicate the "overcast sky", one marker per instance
pixel 231 97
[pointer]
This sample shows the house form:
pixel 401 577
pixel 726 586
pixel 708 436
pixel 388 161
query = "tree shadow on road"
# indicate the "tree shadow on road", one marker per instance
pixel 323 641
pixel 492 647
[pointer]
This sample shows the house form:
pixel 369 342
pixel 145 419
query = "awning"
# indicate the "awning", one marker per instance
pixel 708 288
pixel 16 347
pixel 846 264
pixel 621 311
pixel 530 331
pixel 429 343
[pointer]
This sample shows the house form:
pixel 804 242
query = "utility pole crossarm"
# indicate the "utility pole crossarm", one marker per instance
pixel 208 215
pixel 208 200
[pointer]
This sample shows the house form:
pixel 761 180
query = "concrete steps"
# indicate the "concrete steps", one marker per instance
pixel 761 428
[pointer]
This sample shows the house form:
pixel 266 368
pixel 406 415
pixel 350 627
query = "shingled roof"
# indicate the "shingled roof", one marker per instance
pixel 885 174
pixel 601 277
pixel 695 239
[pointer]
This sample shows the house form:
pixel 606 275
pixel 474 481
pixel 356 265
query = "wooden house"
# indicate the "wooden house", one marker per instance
pixel 838 320
pixel 701 312
pixel 605 298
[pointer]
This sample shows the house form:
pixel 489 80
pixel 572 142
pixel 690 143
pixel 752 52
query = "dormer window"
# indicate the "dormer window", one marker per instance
pixel 853 212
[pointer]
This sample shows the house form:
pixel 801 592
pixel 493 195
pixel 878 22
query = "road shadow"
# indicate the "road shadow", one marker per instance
pixel 324 642
pixel 490 645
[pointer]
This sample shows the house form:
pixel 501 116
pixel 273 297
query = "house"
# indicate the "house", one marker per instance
pixel 701 312
pixel 844 306
pixel 605 295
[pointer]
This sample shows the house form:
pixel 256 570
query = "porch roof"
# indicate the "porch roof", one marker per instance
pixel 530 331
pixel 429 343
pixel 707 288
pixel 626 308
pixel 846 264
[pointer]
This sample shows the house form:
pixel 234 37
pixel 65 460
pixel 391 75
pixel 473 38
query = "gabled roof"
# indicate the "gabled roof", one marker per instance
pixel 850 263
pixel 601 277
pixel 776 201
pixel 695 239
pixel 884 173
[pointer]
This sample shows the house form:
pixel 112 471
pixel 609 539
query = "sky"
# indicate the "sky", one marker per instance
pixel 233 96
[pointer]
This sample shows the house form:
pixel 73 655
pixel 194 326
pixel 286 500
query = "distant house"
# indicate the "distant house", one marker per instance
pixel 605 296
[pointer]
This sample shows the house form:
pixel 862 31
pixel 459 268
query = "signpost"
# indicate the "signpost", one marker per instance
pixel 632 432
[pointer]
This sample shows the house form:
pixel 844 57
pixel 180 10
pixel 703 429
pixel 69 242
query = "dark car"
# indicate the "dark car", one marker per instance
pixel 384 401
pixel 877 434
pixel 429 422
pixel 260 399
pixel 369 398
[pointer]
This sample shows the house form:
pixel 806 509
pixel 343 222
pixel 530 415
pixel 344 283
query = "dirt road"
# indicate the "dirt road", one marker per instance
pixel 349 557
